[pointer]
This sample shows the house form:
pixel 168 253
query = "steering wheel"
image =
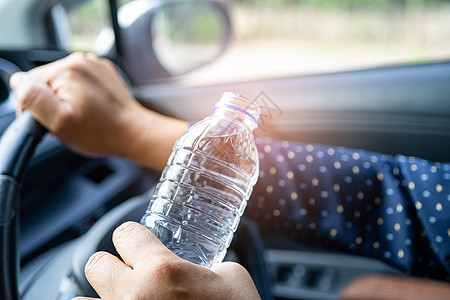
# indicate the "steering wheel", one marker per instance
pixel 17 146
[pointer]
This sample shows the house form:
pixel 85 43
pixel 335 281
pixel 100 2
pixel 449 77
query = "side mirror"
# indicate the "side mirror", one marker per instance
pixel 170 38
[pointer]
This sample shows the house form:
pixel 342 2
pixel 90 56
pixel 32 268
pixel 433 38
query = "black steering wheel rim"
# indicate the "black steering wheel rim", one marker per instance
pixel 17 145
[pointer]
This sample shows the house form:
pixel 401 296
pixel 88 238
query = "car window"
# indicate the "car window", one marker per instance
pixel 275 38
pixel 83 25
pixel 80 23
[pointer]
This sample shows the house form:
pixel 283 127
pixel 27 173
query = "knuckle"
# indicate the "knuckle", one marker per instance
pixel 71 73
pixel 76 56
pixel 107 62
pixel 92 55
pixel 104 63
pixel 74 68
pixel 77 62
pixel 173 273
pixel 166 270
pixel 137 294
pixel 102 60
pixel 95 58
pixel 85 62
pixel 237 269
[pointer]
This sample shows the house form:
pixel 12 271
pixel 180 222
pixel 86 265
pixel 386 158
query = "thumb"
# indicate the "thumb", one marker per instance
pixel 136 244
pixel 37 96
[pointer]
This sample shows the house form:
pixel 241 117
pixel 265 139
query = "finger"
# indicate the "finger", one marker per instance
pixel 92 56
pixel 87 64
pixel 106 273
pixel 98 69
pixel 25 89
pixel 15 79
pixel 135 244
pixel 36 96
pixel 50 71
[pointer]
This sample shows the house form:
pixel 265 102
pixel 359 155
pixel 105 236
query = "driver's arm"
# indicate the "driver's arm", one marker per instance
pixel 394 209
pixel 83 100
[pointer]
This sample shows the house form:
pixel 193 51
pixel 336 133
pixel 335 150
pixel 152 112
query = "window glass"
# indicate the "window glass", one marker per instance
pixel 275 38
pixel 84 20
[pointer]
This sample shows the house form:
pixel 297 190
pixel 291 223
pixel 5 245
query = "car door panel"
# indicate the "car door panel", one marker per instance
pixel 392 110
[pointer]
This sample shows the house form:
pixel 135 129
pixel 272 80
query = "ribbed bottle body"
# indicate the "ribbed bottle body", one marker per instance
pixel 204 189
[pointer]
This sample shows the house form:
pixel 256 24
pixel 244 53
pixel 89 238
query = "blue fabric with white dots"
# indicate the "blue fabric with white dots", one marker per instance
pixel 396 209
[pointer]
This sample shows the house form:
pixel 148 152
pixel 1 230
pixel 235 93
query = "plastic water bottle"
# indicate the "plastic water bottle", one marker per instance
pixel 209 177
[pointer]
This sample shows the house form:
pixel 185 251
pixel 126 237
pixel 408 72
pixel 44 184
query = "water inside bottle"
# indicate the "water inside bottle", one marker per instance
pixel 203 191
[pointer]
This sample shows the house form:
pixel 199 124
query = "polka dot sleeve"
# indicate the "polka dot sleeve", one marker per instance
pixel 396 209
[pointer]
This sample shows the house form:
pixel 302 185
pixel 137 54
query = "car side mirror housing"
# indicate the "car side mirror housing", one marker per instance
pixel 163 39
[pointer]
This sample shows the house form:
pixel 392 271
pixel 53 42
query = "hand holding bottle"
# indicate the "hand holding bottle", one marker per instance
pixel 148 270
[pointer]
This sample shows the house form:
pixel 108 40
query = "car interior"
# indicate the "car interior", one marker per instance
pixel 70 204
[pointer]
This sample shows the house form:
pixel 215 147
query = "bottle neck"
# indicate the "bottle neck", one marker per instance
pixel 237 108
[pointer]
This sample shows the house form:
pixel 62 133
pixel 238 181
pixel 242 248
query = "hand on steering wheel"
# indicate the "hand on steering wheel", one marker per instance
pixel 84 101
